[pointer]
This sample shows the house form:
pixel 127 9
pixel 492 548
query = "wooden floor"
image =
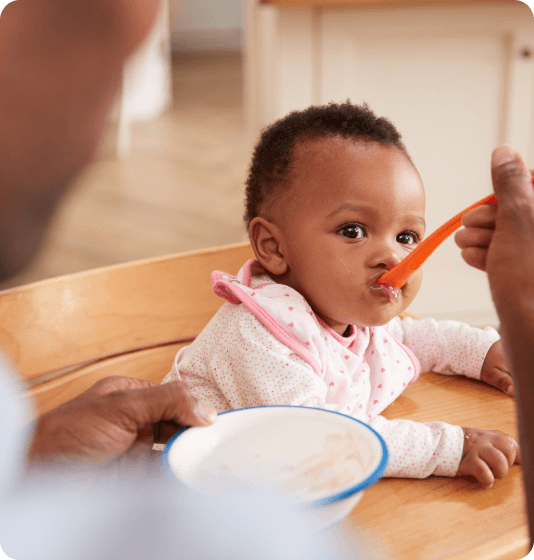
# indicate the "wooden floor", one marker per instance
pixel 180 189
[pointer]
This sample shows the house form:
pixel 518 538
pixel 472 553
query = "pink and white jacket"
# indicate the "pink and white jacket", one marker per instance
pixel 266 346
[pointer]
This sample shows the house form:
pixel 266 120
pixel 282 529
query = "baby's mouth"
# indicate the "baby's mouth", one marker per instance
pixel 391 293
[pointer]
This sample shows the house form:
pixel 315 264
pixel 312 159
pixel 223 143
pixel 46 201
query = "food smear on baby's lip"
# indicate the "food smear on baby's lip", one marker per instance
pixel 389 291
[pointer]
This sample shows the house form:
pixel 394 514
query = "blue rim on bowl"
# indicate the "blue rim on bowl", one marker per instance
pixel 362 485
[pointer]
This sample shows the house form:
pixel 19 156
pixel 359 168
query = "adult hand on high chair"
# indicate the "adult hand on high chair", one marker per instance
pixel 112 417
pixel 487 455
pixel 495 370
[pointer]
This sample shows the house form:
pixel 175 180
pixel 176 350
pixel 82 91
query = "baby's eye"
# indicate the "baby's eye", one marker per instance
pixel 352 232
pixel 407 238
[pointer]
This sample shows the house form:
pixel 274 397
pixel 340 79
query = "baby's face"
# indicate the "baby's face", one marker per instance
pixel 354 211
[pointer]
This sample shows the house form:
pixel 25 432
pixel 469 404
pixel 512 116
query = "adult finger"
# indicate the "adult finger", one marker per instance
pixel 481 216
pixel 118 383
pixel 473 237
pixel 475 257
pixel 170 401
pixel 512 181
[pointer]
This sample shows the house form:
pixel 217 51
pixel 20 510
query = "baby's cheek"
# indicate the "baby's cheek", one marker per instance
pixel 412 287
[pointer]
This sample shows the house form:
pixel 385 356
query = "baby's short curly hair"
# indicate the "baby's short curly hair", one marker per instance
pixel 272 160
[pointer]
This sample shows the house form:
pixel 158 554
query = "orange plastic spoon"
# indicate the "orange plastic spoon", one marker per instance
pixel 399 274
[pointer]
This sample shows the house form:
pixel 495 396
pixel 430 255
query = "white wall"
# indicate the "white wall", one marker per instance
pixel 206 24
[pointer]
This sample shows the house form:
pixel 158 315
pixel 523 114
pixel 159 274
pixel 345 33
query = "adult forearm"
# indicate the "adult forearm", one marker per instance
pixel 517 329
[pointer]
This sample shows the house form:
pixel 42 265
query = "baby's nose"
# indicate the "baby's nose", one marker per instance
pixel 386 257
pixel 394 260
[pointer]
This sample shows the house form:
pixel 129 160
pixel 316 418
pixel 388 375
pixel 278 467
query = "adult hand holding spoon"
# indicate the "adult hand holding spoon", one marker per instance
pixel 481 215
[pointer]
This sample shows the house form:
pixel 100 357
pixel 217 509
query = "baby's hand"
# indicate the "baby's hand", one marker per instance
pixel 495 370
pixel 487 455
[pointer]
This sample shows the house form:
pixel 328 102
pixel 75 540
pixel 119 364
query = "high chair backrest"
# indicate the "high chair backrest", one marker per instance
pixel 65 333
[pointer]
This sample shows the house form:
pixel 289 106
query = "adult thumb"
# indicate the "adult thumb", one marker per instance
pixel 512 181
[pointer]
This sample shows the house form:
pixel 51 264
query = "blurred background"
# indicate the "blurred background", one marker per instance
pixel 456 77
pixel 169 175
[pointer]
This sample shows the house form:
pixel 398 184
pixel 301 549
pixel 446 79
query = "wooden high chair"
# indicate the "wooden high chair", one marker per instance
pixel 66 333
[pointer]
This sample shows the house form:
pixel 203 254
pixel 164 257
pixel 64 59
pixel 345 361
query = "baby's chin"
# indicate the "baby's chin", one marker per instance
pixel 378 318
pixel 367 314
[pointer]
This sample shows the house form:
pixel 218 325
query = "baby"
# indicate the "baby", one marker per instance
pixel 333 202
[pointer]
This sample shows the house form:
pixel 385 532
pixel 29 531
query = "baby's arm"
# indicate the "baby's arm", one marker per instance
pixel 447 347
pixel 419 450
pixel 454 347
pixel 436 448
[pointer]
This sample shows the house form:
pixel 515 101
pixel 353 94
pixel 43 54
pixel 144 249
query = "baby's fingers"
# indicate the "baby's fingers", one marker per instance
pixel 499 379
pixel 513 452
pixel 475 466
pixel 496 461
pixel 506 445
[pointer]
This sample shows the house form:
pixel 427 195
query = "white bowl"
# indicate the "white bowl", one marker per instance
pixel 318 460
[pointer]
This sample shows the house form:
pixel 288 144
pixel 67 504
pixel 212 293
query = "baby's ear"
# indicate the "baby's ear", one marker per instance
pixel 265 238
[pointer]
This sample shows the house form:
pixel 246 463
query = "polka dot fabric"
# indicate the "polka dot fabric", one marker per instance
pixel 447 347
pixel 265 346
